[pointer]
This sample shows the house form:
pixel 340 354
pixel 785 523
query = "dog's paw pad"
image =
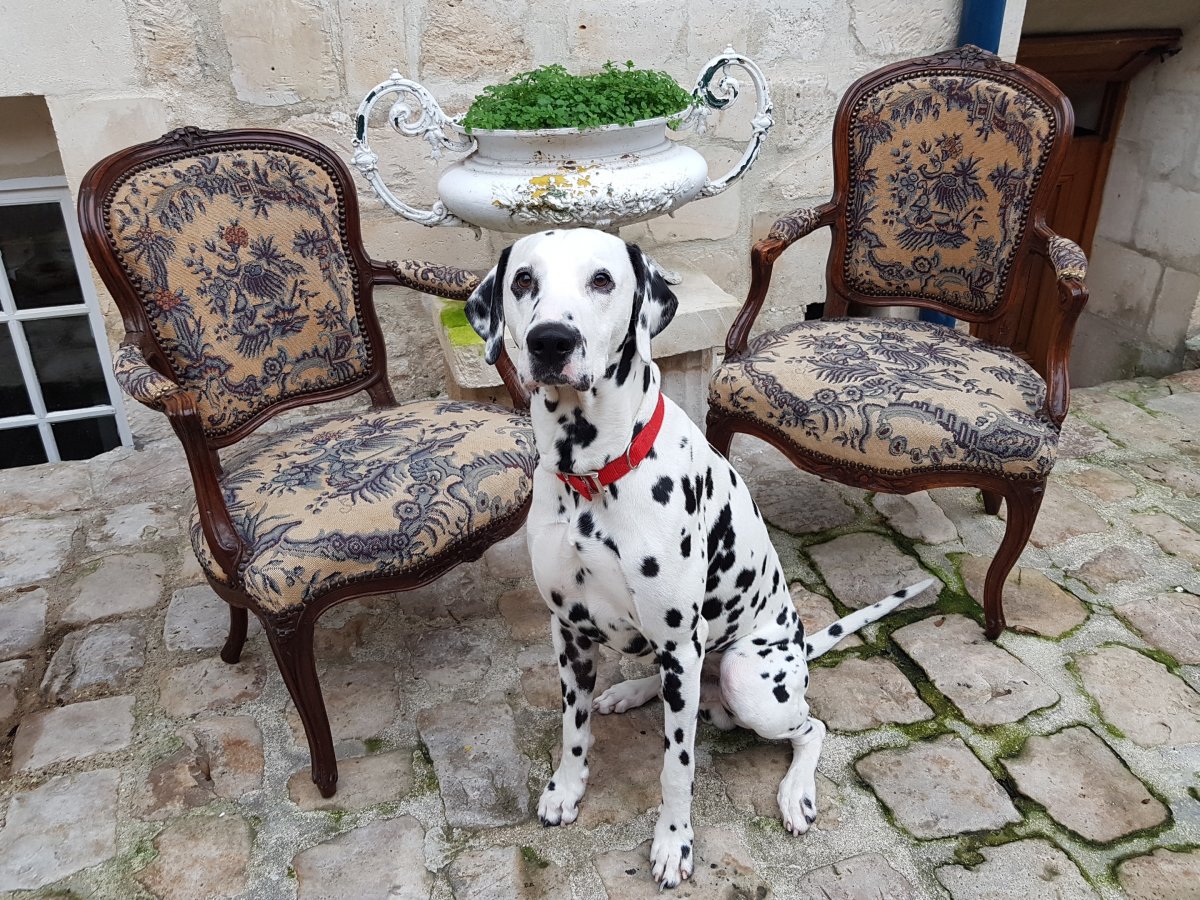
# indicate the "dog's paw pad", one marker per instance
pixel 797 806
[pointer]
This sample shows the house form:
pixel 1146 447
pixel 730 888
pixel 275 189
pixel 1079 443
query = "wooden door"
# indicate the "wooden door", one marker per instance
pixel 1094 71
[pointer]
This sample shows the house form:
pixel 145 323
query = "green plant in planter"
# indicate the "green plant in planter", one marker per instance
pixel 551 97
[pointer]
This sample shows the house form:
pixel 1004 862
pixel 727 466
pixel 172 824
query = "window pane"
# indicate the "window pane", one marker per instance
pixel 37 255
pixel 14 399
pixel 21 447
pixel 68 368
pixel 85 438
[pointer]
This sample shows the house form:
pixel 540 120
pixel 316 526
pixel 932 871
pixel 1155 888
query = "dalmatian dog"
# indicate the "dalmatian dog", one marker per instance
pixel 642 536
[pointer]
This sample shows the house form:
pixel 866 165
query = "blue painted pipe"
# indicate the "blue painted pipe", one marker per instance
pixel 980 25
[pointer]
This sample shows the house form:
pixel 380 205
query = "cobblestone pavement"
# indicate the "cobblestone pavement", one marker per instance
pixel 1060 761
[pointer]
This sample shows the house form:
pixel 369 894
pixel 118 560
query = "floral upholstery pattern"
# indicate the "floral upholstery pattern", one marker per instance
pixel 243 268
pixel 794 225
pixel 943 169
pixel 450 282
pixel 351 497
pixel 1068 258
pixel 893 396
pixel 138 379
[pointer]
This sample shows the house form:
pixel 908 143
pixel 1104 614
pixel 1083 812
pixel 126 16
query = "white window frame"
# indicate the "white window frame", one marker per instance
pixel 25 191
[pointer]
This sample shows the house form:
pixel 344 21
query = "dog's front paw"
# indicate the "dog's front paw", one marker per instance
pixel 671 855
pixel 627 695
pixel 797 802
pixel 559 803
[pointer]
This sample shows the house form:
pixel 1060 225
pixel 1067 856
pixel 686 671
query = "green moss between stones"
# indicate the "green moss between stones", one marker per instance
pixel 424 777
pixel 772 824
pixel 374 745
pixel 291 872
pixel 533 858
pixel 1113 730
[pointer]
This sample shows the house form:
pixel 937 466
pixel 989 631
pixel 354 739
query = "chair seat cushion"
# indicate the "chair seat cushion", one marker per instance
pixel 894 397
pixel 375 494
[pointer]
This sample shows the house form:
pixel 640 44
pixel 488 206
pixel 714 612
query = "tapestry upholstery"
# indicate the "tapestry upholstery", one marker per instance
pixel 351 497
pixel 893 396
pixel 943 169
pixel 138 379
pixel 241 262
pixel 450 282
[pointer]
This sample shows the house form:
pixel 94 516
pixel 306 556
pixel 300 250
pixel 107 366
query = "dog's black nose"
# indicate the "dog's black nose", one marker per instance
pixel 551 343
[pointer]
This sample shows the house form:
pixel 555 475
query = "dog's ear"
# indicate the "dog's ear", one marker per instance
pixel 485 309
pixel 654 303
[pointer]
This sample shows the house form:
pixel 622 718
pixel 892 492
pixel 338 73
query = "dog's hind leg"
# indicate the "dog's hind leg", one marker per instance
pixel 628 694
pixel 559 803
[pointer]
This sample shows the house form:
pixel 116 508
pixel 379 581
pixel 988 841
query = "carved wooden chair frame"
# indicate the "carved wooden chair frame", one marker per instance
pixel 290 632
pixel 1048 353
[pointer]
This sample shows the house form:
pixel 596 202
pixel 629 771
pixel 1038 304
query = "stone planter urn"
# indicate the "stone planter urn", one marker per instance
pixel 526 181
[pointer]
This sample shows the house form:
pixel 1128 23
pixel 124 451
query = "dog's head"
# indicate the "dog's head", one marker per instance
pixel 575 301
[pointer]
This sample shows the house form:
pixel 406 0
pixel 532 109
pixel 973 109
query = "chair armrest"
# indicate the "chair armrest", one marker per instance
pixel 1070 271
pixel 450 282
pixel 139 379
pixel 785 232
pixel 223 539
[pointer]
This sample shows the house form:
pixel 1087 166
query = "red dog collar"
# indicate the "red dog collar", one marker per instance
pixel 592 483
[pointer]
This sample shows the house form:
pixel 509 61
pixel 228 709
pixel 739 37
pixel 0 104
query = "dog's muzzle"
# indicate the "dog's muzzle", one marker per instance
pixel 550 346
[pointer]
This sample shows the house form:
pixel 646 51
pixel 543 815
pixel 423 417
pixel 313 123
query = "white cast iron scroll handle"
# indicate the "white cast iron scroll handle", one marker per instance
pixel 724 96
pixel 414 114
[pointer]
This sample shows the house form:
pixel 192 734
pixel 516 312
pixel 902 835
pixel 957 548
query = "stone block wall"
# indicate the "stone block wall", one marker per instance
pixel 1145 261
pixel 115 72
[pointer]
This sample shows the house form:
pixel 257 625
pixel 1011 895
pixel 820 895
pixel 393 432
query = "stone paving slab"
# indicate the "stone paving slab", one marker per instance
pixel 1170 622
pixel 197 619
pixel 937 788
pixel 24 618
pixel 817 612
pixel 1084 785
pixel 1021 870
pixel 724 868
pixel 507 872
pixel 1140 697
pixel 916 516
pixel 1032 602
pixel 859 694
pixel 1162 875
pixel 989 685
pixel 34 549
pixel 865 875
pixel 865 567
pixel 66 733
pixel 363 781
pixel 200 857
pixel 383 859
pixel 122 584
pixel 99 657
pixel 66 824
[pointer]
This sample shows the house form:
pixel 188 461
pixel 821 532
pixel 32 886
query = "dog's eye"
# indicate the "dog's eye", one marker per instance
pixel 523 280
pixel 602 280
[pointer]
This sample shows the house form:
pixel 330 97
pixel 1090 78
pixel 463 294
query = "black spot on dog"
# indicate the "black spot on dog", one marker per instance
pixel 650 567
pixel 581 716
pixel 666 743
pixel 679 735
pixel 686 850
pixel 670 691
pixel 580 577
pixel 708 483
pixel 645 379
pixel 685 547
pixel 781 693
pixel 578 613
pixel 684 759
pixel 586 524
pixel 570 698
pixel 637 646
pixel 689 496
pixel 612 545
pixel 577 751
pixel 745 579
pixel 732 477
pixel 674 618
pixel 579 433
pixel 662 490
pixel 835 629
pixel 551 405
pixel 711 609
pixel 557 598
pixel 779 676
pixel 781 618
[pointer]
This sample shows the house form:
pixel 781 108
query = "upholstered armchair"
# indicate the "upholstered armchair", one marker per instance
pixel 944 168
pixel 236 261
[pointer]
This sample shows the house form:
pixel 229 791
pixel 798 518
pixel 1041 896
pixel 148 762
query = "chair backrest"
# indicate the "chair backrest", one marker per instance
pixel 236 258
pixel 942 165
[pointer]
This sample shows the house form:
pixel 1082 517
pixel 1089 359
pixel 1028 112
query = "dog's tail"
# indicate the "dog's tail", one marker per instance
pixel 825 639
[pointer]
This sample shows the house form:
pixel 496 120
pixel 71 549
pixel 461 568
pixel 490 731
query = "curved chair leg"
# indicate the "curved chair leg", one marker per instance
pixel 991 502
pixel 719 431
pixel 238 620
pixel 293 648
pixel 1024 498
